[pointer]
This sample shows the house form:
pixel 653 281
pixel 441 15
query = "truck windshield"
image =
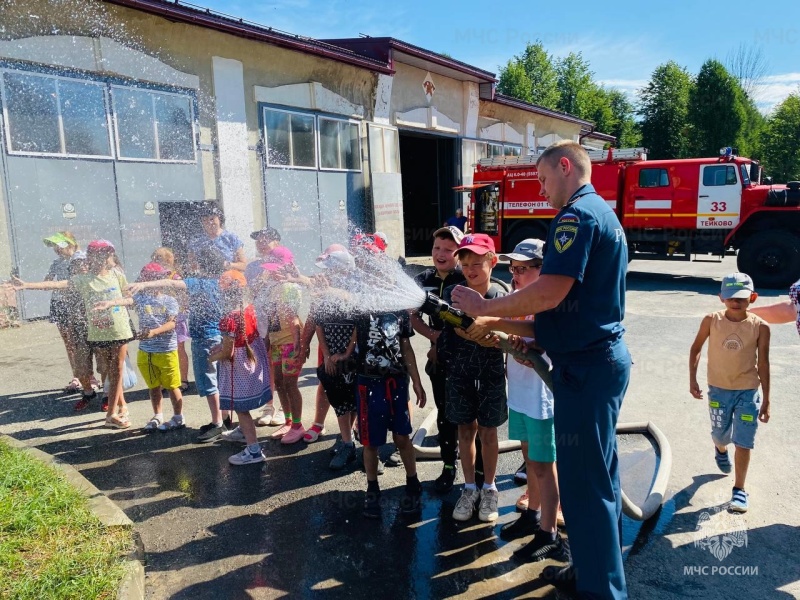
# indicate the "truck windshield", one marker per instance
pixel 745 168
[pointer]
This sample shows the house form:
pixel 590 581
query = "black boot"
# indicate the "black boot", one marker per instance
pixel 526 524
pixel 543 545
pixel 444 483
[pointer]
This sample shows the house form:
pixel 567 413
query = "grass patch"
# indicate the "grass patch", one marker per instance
pixel 51 545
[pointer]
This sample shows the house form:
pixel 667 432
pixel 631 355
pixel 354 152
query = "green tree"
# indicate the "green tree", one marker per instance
pixel 539 67
pixel 663 107
pixel 577 93
pixel 780 141
pixel 625 128
pixel 596 107
pixel 515 82
pixel 717 111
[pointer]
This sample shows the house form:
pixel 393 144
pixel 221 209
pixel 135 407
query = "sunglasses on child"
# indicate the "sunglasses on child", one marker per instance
pixel 521 270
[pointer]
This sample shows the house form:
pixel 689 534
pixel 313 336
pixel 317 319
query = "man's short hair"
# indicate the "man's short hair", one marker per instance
pixel 573 151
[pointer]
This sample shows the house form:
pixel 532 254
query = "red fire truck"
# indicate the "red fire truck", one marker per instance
pixel 669 208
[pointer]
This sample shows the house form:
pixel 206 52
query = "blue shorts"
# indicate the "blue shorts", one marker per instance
pixel 382 407
pixel 205 372
pixel 734 416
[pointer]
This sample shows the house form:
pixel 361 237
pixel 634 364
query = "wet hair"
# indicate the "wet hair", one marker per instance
pixel 165 257
pixel 570 150
pixel 210 260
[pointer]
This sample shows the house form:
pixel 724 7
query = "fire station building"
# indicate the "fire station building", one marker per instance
pixel 119 117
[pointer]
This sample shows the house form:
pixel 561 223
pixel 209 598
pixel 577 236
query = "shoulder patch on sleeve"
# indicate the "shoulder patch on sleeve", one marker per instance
pixel 566 232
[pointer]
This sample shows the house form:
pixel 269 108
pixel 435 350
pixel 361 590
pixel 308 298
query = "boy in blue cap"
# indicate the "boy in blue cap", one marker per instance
pixel 738 363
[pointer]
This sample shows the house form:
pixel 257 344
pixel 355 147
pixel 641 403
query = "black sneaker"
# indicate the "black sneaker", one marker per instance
pixel 520 527
pixel 372 505
pixel 210 433
pixel 444 482
pixel 521 476
pixel 411 502
pixel 562 578
pixel 336 447
pixel 345 455
pixel 541 547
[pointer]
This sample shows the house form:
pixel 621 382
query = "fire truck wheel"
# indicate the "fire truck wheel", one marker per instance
pixel 771 258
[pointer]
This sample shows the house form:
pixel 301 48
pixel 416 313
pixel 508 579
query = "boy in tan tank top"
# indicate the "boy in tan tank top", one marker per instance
pixel 738 363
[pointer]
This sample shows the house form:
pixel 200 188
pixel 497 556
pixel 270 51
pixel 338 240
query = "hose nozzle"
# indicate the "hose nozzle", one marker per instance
pixel 434 305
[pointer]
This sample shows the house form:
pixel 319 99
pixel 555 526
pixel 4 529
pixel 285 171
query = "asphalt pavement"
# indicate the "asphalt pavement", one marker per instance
pixel 292 528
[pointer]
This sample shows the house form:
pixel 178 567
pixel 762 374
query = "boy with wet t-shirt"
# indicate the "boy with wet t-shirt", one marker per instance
pixel 476 385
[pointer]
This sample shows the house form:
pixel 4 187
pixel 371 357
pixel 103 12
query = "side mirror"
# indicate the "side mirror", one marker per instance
pixel 768 180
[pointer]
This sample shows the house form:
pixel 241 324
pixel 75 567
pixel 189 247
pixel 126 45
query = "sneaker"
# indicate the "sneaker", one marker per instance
pixel 487 512
pixel 525 525
pixel 522 502
pixel 562 578
pixel 372 505
pixel 521 476
pixel 394 459
pixel 411 502
pixel 466 505
pixel 210 433
pixel 294 435
pixel 444 482
pixel 74 385
pixel 270 417
pixel 281 431
pixel 541 547
pixel 245 457
pixel 84 401
pixel 234 436
pixel 312 433
pixel 153 424
pixel 175 423
pixel 739 501
pixel 104 404
pixel 336 447
pixel 343 457
pixel 723 460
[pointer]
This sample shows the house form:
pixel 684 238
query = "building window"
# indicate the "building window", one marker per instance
pixel 153 125
pixel 652 178
pixel 290 139
pixel 384 154
pixel 511 150
pixel 719 175
pixel 55 116
pixel 339 145
pixel 494 150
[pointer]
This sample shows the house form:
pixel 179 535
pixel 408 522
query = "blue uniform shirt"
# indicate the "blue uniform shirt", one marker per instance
pixel 587 242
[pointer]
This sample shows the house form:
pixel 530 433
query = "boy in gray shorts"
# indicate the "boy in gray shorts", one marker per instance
pixel 738 363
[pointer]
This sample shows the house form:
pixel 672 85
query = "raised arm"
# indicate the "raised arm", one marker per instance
pixel 780 312
pixel 694 356
pixel 18 284
pixel 545 293
pixel 175 284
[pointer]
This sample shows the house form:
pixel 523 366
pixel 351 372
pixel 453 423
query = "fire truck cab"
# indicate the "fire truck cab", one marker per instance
pixel 669 208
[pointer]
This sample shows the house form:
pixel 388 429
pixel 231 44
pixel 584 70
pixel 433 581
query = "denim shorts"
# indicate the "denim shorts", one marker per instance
pixel 205 372
pixel 734 416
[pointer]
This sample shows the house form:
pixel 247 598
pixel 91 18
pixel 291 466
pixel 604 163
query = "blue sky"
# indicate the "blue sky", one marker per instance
pixel 624 42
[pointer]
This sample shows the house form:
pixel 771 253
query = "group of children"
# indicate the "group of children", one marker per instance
pixel 247 340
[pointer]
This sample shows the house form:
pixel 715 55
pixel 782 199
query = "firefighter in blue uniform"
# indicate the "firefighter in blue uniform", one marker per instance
pixel 579 303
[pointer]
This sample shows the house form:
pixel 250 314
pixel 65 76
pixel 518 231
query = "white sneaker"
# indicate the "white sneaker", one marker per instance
pixel 270 417
pixel 466 505
pixel 246 458
pixel 234 435
pixel 487 511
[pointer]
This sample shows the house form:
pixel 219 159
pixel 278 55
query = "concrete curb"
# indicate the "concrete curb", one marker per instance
pixel 110 515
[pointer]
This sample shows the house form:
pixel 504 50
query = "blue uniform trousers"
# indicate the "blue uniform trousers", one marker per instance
pixel 588 389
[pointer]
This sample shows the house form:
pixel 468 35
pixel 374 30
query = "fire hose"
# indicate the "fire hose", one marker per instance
pixel 436 306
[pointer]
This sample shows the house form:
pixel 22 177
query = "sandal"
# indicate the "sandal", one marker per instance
pixel 173 424
pixel 312 433
pixel 117 423
pixel 522 502
pixel 154 423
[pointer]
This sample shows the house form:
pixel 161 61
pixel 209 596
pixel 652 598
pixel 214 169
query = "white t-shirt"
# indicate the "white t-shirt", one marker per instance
pixel 527 393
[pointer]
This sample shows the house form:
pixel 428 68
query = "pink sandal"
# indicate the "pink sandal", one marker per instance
pixel 313 433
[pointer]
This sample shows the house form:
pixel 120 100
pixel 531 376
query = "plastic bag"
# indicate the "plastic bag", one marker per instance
pixel 129 379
